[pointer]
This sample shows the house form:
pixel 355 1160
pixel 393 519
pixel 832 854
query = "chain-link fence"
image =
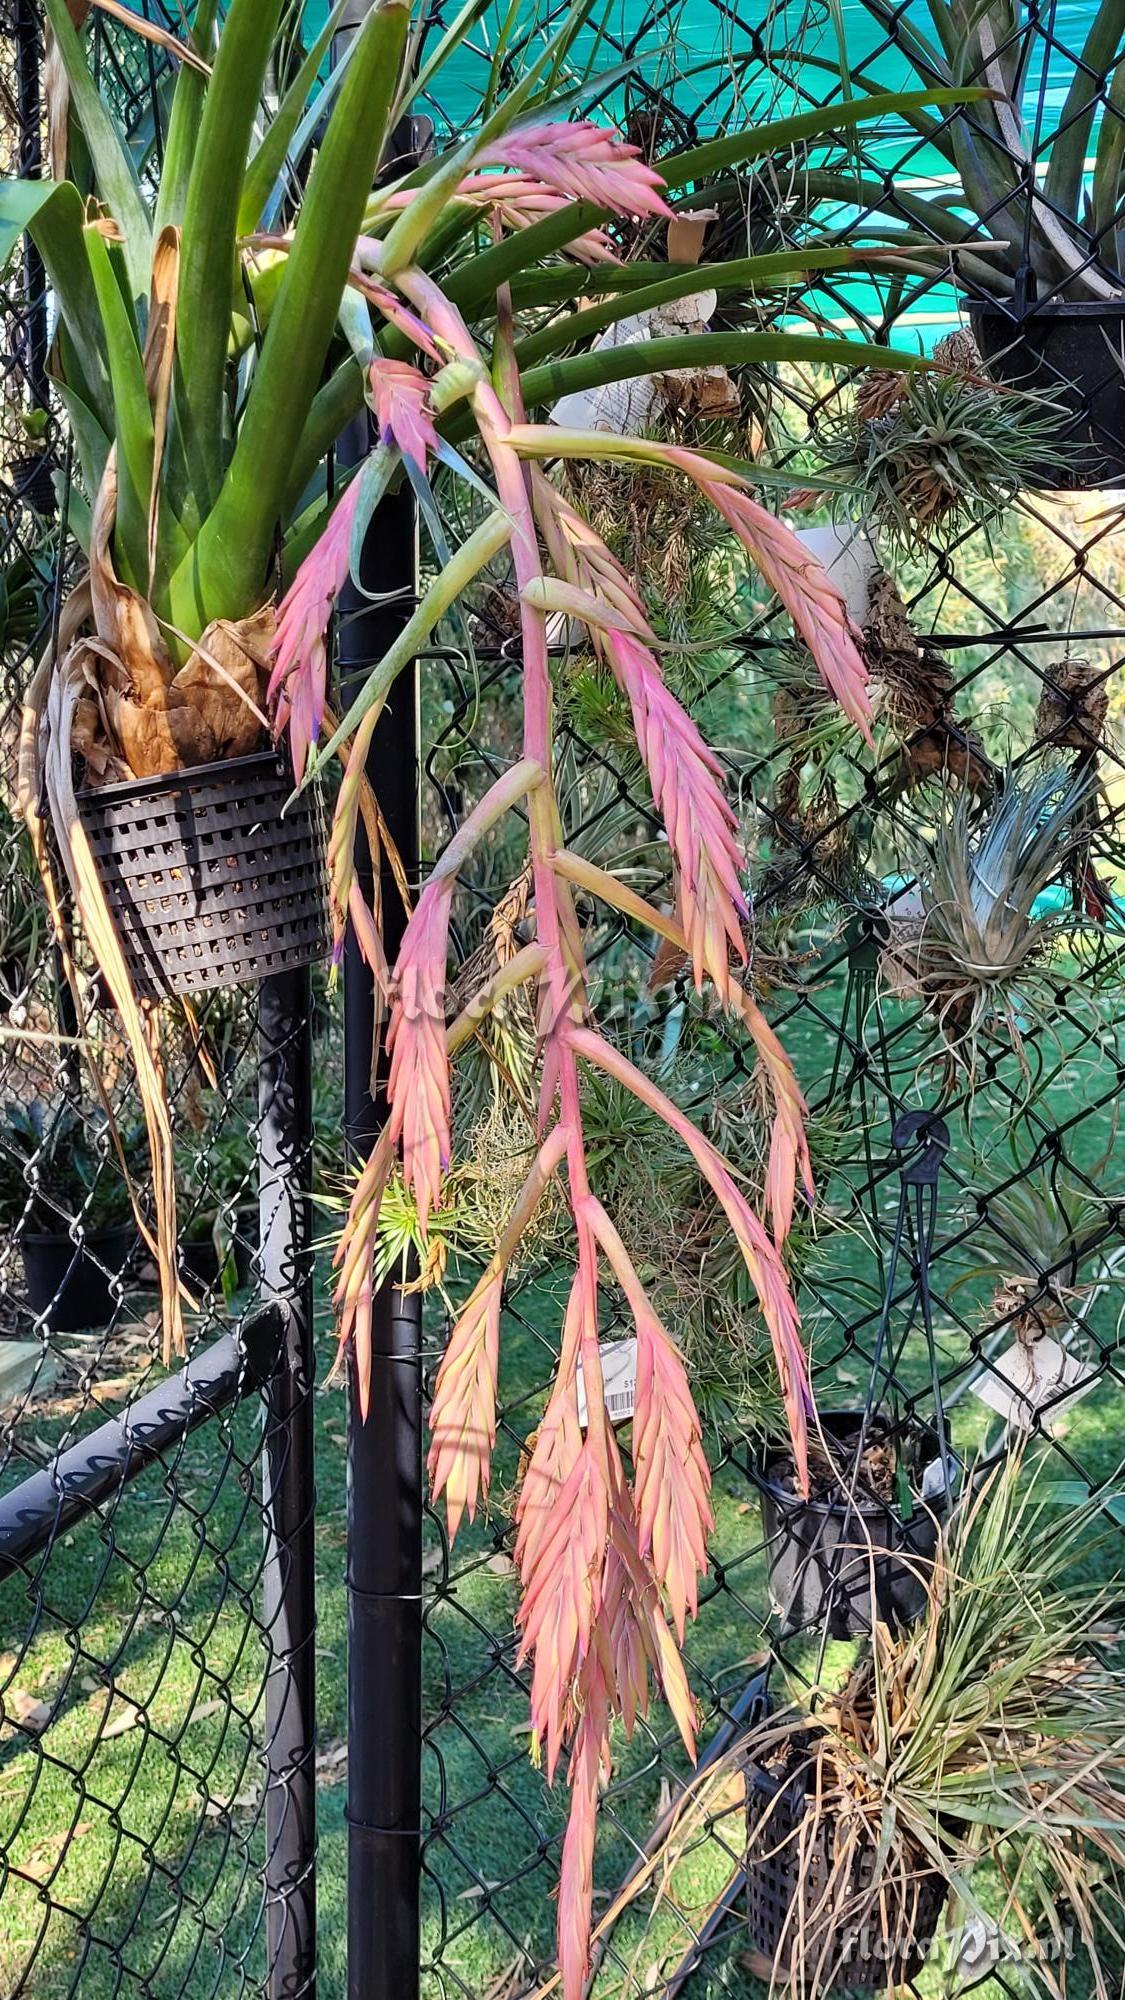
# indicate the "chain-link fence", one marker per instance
pixel 156 1642
pixel 158 1772
pixel 958 1280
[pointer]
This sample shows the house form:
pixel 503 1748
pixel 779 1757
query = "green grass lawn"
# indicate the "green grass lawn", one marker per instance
pixel 132 1669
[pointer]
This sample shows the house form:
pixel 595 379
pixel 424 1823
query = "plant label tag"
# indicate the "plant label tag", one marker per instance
pixel 619 1379
pixel 933 1481
pixel 1026 1379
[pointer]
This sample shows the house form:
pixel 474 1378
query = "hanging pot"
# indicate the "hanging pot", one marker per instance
pixel 1074 352
pixel 207 883
pixel 32 481
pixel 70 1285
pixel 877 1935
pixel 819 1550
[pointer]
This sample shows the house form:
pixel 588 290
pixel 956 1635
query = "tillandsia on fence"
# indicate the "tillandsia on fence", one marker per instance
pixel 972 1759
pixel 211 346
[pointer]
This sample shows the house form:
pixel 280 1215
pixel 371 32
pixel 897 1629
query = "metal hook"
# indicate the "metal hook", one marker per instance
pixel 930 1134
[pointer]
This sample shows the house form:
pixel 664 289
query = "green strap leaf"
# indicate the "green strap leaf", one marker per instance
pixel 735 149
pixel 90 439
pixel 132 413
pixel 51 213
pixel 210 218
pixel 227 571
pixel 698 350
pixel 183 125
pixel 1066 165
pixel 1109 166
pixel 116 175
pixel 738 274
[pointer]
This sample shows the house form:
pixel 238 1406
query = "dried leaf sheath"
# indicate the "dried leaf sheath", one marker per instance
pixel 137 1019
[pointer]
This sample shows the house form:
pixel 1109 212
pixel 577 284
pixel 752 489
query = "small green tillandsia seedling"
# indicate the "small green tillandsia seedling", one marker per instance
pixel 975 1756
pixel 206 366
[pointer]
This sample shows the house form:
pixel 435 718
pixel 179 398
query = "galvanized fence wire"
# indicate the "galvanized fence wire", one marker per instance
pixel 1024 636
pixel 142 1672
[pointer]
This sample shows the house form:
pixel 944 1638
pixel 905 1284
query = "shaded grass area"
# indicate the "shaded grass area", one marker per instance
pixel 133 1662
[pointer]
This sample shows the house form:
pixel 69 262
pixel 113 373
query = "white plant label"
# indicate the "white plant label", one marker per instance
pixel 619 1380
pixel 1025 1378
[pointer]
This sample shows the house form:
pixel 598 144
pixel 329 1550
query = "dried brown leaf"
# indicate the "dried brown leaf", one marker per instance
pixel 120 1724
pixel 123 620
pixel 225 682
pixel 165 733
pixel 28 1710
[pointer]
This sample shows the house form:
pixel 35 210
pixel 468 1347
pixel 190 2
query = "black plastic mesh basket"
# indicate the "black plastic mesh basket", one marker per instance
pixel 208 884
pixel 884 1938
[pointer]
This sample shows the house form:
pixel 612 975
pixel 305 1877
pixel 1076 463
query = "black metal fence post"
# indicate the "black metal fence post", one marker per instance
pixel 29 55
pixel 289 1489
pixel 385 1454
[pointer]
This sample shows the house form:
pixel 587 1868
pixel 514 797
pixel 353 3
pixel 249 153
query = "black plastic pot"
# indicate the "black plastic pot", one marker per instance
pixel 881 1943
pixel 1073 352
pixel 68 1283
pixel 818 1550
pixel 208 885
pixel 32 479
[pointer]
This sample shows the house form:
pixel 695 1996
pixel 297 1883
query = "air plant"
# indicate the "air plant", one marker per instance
pixel 1073 706
pixel 208 360
pixel 944 454
pixel 1044 1232
pixel 978 1752
pixel 973 950
pixel 912 691
pixel 1024 205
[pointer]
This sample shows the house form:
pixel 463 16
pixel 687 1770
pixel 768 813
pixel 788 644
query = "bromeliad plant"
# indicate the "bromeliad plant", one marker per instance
pixel 978 1752
pixel 208 360
pixel 1035 207
pixel 209 364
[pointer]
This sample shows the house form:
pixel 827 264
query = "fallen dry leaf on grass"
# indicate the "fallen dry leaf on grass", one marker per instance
pixel 46 1855
pixel 28 1710
pixel 127 1718
pixel 247 1801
